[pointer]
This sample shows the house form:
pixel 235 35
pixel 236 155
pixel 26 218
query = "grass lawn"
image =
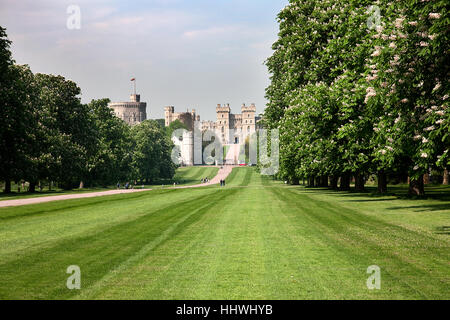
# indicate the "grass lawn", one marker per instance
pixel 183 176
pixel 254 239
pixel 193 175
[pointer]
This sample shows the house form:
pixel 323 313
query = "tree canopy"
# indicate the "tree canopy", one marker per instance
pixel 48 134
pixel 358 89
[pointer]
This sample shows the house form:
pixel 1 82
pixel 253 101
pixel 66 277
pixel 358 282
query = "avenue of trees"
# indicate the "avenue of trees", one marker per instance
pixel 360 88
pixel 48 135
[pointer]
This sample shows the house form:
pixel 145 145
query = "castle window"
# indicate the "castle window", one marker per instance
pixel 248 128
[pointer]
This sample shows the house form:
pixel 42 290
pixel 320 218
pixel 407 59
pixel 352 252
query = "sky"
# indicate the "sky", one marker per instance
pixel 183 53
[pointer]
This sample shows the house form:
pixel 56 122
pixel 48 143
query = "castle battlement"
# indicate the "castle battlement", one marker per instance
pixel 251 108
pixel 224 108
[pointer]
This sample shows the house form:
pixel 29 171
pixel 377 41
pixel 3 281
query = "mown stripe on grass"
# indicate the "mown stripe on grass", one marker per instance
pixel 42 274
pixel 363 238
pixel 55 207
pixel 247 177
pixel 126 271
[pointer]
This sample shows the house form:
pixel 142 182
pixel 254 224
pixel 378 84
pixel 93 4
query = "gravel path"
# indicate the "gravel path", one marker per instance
pixel 222 174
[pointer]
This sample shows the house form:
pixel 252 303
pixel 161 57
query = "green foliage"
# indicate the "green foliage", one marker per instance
pixel 351 99
pixel 151 152
pixel 112 160
pixel 161 122
pixel 17 123
pixel 411 63
pixel 175 125
pixel 9 117
pixel 69 135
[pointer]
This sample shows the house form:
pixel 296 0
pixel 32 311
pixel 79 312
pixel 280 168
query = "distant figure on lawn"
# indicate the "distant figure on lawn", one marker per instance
pixel 118 185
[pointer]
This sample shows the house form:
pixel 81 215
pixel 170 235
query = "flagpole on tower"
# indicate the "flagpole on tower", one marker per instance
pixel 134 83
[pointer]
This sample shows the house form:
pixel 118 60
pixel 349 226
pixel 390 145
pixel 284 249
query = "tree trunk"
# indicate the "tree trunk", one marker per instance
pixel 32 187
pixel 446 177
pixel 426 178
pixel 7 186
pixel 295 182
pixel 311 182
pixel 416 187
pixel 324 181
pixel 334 182
pixel 359 182
pixel 345 182
pixel 382 182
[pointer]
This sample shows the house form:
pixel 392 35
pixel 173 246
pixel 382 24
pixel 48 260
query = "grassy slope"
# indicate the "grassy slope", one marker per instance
pixel 254 239
pixel 193 175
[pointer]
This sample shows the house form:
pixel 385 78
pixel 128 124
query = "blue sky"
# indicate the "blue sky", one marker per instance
pixel 190 54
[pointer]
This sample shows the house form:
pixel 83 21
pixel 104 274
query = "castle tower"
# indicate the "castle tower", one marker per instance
pixel 223 122
pixel 248 119
pixel 168 114
pixel 132 112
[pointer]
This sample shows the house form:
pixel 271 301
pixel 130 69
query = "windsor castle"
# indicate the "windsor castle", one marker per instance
pixel 231 128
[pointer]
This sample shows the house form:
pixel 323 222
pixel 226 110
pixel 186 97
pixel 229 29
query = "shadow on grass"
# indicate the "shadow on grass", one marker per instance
pixel 424 207
pixel 371 200
pixel 443 230
pixel 434 192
